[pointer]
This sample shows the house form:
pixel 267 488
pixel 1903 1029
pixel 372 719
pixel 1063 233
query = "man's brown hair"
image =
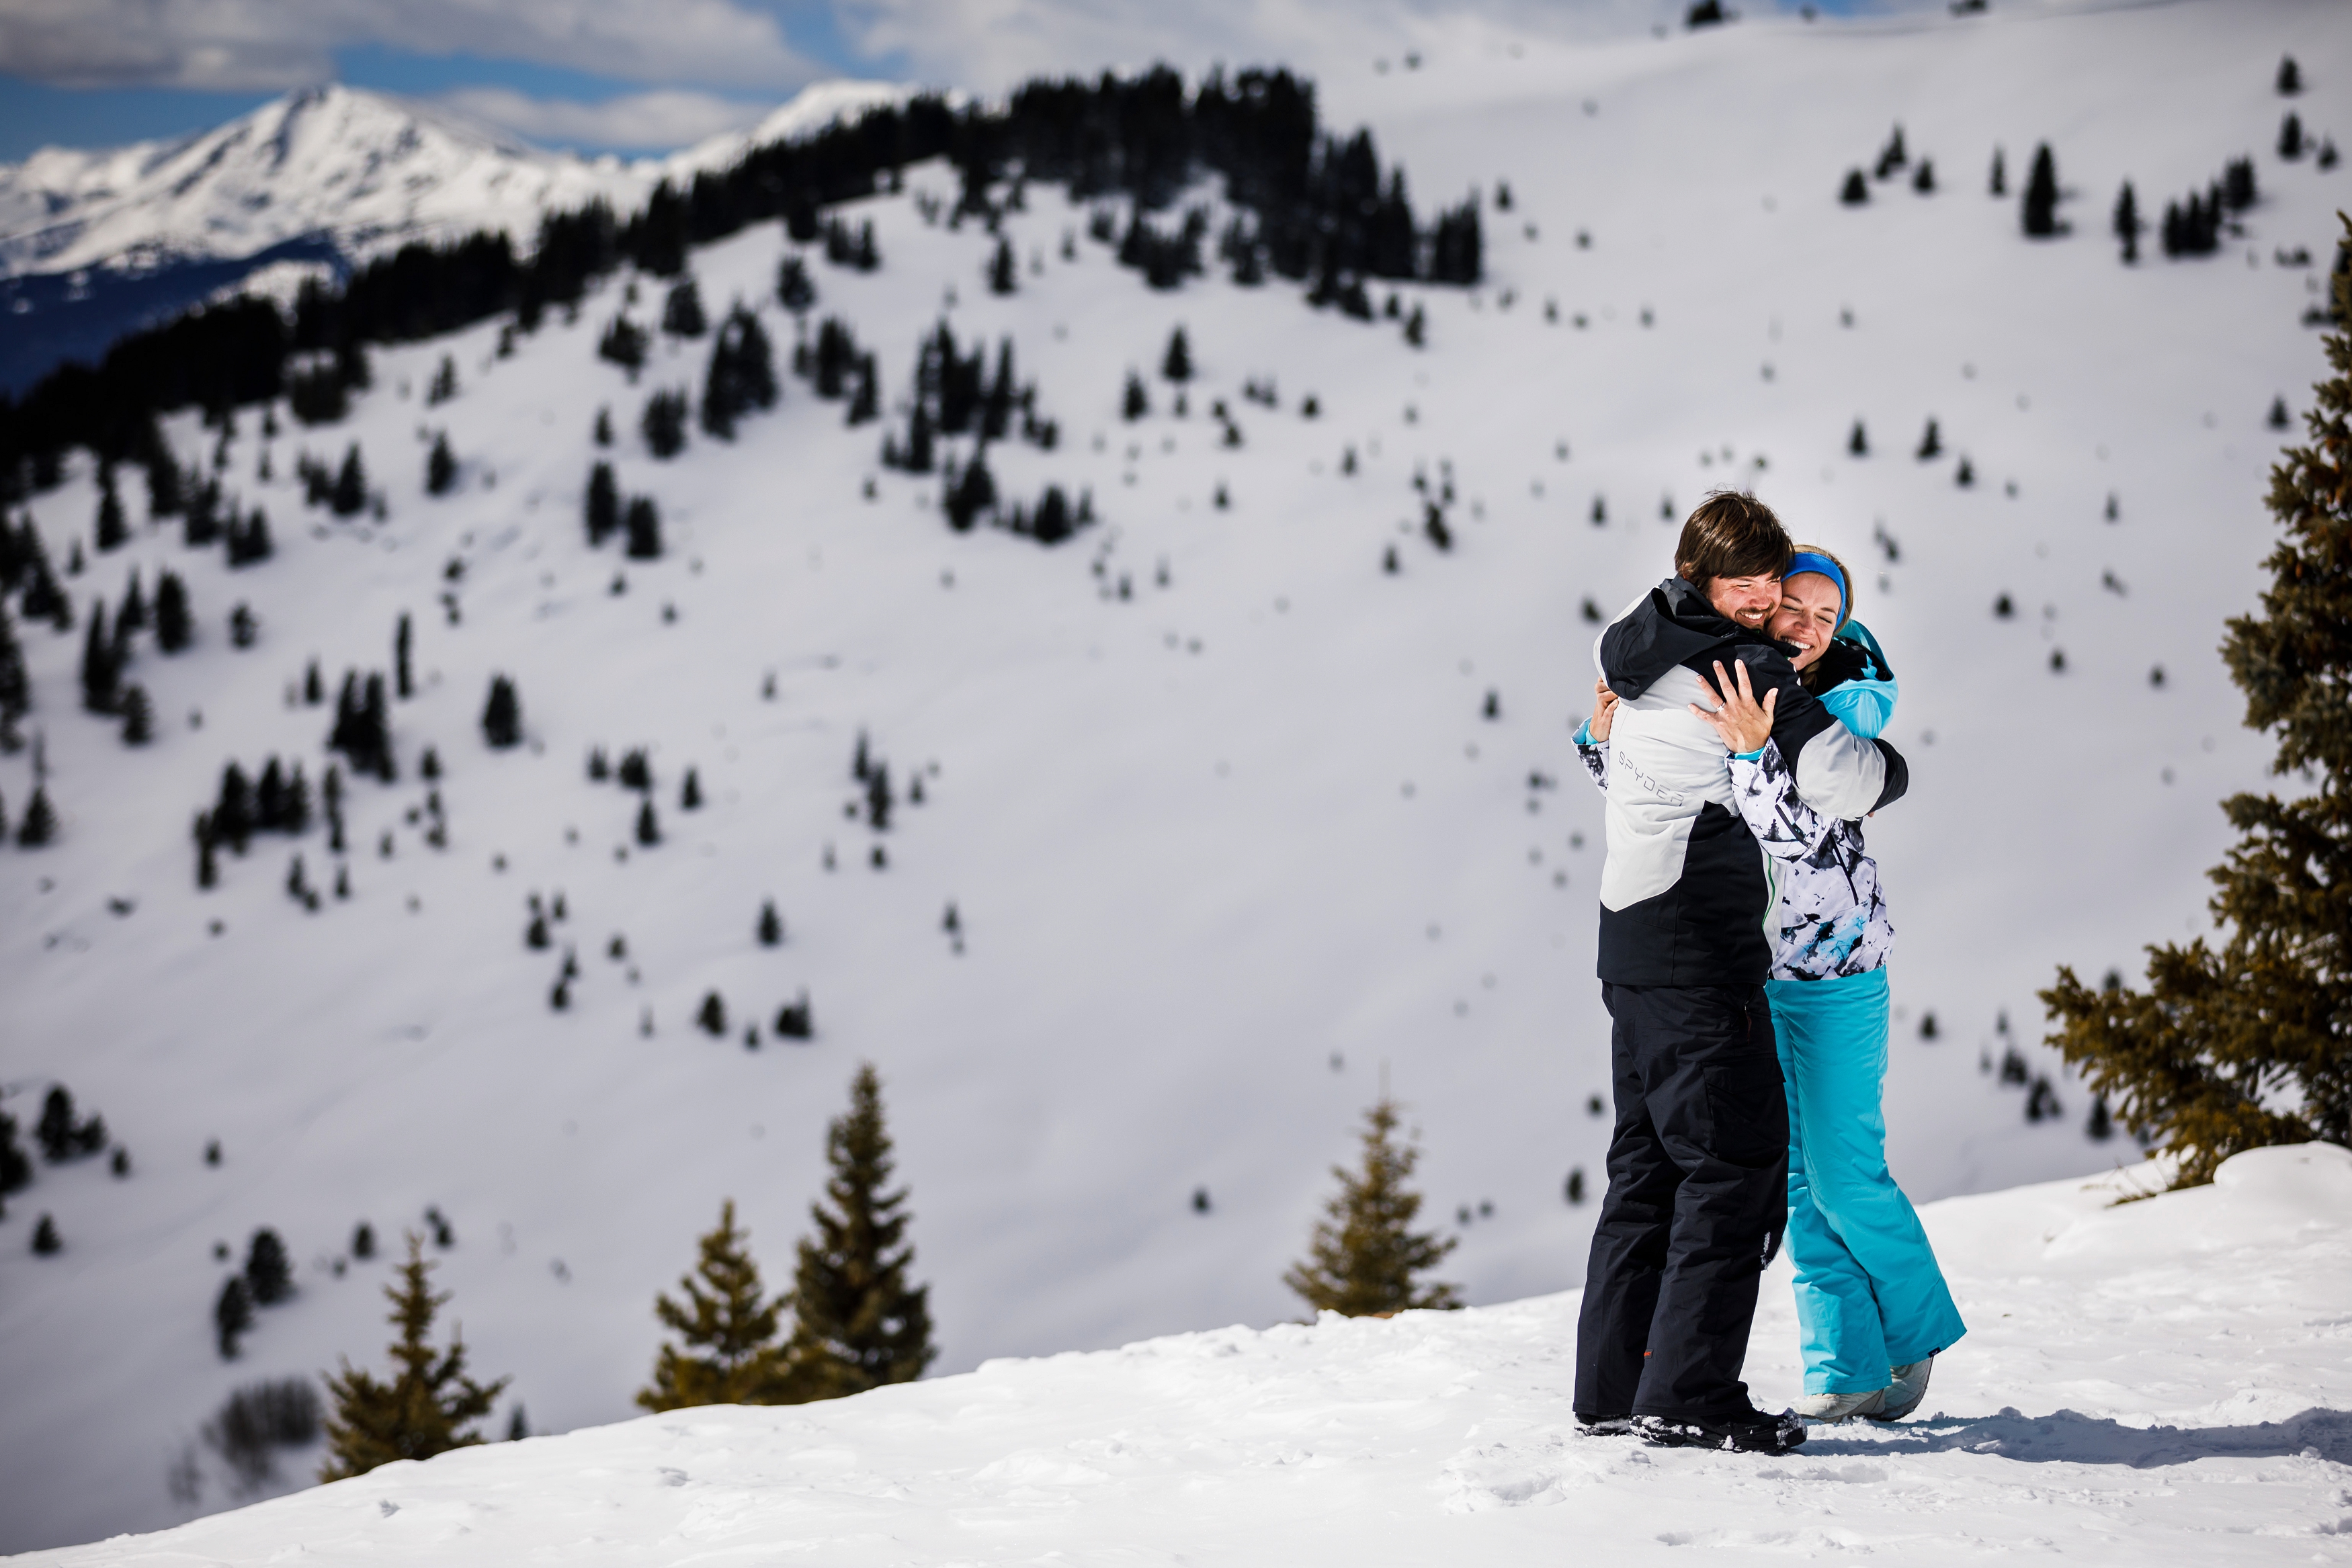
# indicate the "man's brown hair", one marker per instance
pixel 1732 534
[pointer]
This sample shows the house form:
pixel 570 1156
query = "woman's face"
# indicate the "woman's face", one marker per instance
pixel 1807 615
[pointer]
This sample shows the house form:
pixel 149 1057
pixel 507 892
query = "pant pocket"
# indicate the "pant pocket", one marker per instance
pixel 1748 1111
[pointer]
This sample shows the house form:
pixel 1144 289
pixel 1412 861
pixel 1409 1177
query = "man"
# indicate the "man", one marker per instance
pixel 1697 1161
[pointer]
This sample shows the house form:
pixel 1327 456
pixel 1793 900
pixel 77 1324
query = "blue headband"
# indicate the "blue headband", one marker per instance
pixel 1806 560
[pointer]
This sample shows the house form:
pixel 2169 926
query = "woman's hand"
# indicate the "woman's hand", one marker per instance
pixel 1744 725
pixel 1604 710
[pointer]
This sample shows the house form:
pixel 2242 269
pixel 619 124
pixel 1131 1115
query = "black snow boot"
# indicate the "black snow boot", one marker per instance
pixel 1591 1426
pixel 1747 1431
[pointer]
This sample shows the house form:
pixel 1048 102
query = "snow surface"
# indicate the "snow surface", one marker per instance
pixel 2164 1381
pixel 1228 852
pixel 370 170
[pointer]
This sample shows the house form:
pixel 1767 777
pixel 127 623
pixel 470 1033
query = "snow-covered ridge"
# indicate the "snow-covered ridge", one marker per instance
pixel 2159 1382
pixel 366 169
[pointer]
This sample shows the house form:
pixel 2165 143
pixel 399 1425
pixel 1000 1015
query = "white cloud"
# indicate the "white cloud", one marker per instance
pixel 268 44
pixel 660 120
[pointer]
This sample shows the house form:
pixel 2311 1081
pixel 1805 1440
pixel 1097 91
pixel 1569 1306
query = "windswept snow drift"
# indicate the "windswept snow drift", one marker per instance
pixel 1217 802
pixel 2161 1383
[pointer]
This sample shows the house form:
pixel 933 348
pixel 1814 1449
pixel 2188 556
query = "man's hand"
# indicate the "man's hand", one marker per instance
pixel 1604 710
pixel 1744 725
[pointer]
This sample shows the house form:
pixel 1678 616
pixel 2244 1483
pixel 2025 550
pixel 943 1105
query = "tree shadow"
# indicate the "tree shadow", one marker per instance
pixel 2074 1438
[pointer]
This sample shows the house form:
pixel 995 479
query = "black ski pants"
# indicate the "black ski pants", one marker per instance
pixel 1697 1194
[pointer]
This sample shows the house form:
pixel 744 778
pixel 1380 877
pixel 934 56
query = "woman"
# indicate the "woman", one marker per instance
pixel 1872 1304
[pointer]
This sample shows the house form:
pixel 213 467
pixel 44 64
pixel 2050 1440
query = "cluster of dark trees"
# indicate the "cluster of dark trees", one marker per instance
pixel 267 1278
pixel 2195 227
pixel 607 515
pixel 1323 210
pixel 1893 159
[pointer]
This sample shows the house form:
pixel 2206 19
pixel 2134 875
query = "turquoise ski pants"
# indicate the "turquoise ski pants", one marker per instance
pixel 1869 1294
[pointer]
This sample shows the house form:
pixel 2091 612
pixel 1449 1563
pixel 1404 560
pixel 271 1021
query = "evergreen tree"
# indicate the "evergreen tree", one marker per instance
pixel 233 816
pixel 861 1324
pixel 624 344
pixel 603 504
pixel 348 498
pixel 1365 1257
pixel 771 925
pixel 689 794
pixel 1176 364
pixel 1855 192
pixel 404 674
pixel 601 433
pixel 112 531
pixel 138 715
pixel 1998 183
pixel 38 825
pixel 2290 76
pixel 15 684
pixel 102 671
pixel 682 314
pixel 502 715
pixel 2127 224
pixel 1003 273
pixel 15 1165
pixel 444 381
pixel 232 1315
pixel 2249 1042
pixel 2041 209
pixel 1931 443
pixel 2290 142
pixel 712 1015
pixel 249 539
pixel 440 466
pixel 648 825
pixel 970 492
pixel 175 626
pixel 866 400
pixel 267 1273
pixel 795 292
pixel 741 377
pixel 45 1243
pixel 132 616
pixel 1134 403
pixel 643 521
pixel 729 1351
pixel 426 1407
pixel 664 423
pixel 167 494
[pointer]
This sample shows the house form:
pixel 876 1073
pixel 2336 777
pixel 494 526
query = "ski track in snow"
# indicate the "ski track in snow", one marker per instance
pixel 1226 850
pixel 2181 1360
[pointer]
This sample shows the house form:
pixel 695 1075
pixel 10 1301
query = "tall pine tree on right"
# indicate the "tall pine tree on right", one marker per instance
pixel 2248 1042
pixel 860 1323
pixel 1366 1260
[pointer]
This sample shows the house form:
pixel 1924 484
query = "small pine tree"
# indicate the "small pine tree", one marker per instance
pixel 729 1351
pixel 440 466
pixel 1365 1258
pixel 861 1323
pixel 101 668
pixel 428 1404
pixel 603 504
pixel 643 522
pixel 175 625
pixel 444 381
pixel 502 715
pixel 1003 272
pixel 1176 364
pixel 2290 76
pixel 348 497
pixel 2244 1044
pixel 267 1274
pixel 2127 224
pixel 1858 443
pixel 232 1315
pixel 1931 443
pixel 682 315
pixel 601 431
pixel 664 423
pixel 712 1015
pixel 648 825
pixel 1855 192
pixel 1998 183
pixel 689 794
pixel 2040 213
pixel 1134 403
pixel 771 925
pixel 38 825
pixel 138 715
pixel 403 648
pixel 112 531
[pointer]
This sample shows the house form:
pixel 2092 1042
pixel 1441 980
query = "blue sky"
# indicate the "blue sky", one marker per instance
pixel 635 76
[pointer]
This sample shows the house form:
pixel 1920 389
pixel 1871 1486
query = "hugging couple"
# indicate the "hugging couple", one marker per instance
pixel 1743 949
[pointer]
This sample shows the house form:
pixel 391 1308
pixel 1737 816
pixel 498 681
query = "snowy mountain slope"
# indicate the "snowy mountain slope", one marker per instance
pixel 1224 850
pixel 2157 1384
pixel 96 243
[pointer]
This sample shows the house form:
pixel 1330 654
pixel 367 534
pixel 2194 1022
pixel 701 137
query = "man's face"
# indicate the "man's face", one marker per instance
pixel 1745 601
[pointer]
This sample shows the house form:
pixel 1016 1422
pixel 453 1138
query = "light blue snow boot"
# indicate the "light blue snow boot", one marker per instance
pixel 1903 1394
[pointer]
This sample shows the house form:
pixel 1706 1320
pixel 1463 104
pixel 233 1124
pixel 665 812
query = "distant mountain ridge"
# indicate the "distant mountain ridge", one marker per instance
pixel 335 174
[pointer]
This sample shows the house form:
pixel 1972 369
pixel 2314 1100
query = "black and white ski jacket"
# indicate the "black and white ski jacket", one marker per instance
pixel 1687 896
pixel 1831 916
